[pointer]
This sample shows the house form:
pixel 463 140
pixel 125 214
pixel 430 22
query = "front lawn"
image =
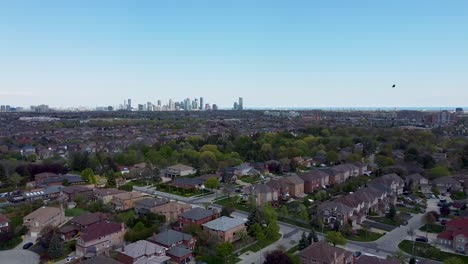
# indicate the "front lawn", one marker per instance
pixel 232 201
pixel 181 191
pixel 363 236
pixel 260 245
pixel 75 212
pixel 426 250
pixel 250 179
pixel 432 228
pixel 387 221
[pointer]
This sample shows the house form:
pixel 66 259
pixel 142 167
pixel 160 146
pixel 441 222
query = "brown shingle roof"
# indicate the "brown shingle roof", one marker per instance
pixel 89 218
pixel 323 252
pixel 100 229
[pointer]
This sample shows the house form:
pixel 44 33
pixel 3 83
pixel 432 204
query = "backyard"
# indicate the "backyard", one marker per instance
pixel 432 228
pixel 75 212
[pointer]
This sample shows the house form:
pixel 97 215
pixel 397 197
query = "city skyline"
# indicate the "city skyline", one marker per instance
pixel 274 54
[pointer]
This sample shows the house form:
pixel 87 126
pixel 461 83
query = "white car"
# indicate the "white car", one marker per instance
pixel 70 259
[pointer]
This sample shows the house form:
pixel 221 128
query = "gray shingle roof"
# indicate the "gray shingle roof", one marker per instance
pixel 170 237
pixel 179 251
pixel 197 213
pixel 224 223
pixel 150 202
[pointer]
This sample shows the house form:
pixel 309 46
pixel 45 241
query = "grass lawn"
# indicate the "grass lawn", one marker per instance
pixel 293 249
pixel 427 251
pixel 250 179
pixel 432 228
pixel 75 212
pixel 180 191
pixel 260 245
pixel 10 244
pixel 387 221
pixel 231 201
pixel 363 237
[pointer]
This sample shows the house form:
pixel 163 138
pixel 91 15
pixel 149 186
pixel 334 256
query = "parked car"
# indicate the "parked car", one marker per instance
pixel 357 254
pixel 27 245
pixel 422 239
pixel 70 259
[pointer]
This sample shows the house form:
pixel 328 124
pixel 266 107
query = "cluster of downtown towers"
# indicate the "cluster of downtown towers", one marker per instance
pixel 196 104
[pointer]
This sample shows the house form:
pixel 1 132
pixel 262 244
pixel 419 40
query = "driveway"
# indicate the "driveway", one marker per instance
pixel 18 257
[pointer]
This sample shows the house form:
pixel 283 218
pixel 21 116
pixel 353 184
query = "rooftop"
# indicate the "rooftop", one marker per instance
pixel 198 213
pixel 224 223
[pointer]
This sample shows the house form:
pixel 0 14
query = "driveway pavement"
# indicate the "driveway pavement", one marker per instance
pixel 18 257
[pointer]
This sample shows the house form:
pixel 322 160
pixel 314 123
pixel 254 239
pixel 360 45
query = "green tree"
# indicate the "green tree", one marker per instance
pixel 335 238
pixel 312 237
pixel 391 212
pixel 439 171
pixel 111 179
pixel 87 174
pixel 55 250
pixel 277 257
pixel 212 183
pixel 227 210
pixel 332 156
pixel 303 242
pixel 15 179
pixel 224 250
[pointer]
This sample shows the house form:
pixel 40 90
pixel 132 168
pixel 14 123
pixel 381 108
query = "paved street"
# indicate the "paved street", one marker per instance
pixel 19 256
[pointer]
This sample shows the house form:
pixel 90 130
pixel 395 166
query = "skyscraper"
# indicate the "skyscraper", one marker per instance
pixel 201 103
pixel 236 106
pixel 241 103
pixel 129 104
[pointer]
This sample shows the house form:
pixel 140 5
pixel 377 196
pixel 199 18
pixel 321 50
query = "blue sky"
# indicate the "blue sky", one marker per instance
pixel 272 53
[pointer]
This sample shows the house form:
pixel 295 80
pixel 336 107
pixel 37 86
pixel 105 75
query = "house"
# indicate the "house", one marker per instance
pixel 43 217
pixel 455 235
pixel 142 252
pixel 73 192
pixel 261 193
pixel 70 179
pixel 179 170
pixel 171 238
pixel 87 219
pixel 126 201
pixel 106 195
pixel 197 216
pixel 314 180
pixel 365 259
pixel 323 253
pixel 4 224
pixel 426 188
pixel 48 193
pixel 393 181
pixel 244 169
pixel 331 211
pixel 180 255
pixel 415 180
pixel 188 183
pixel 334 177
pixel 100 238
pixel 101 259
pixel 226 228
pixel 447 184
pixel 296 185
pixel 281 187
pixel 171 210
pixel 148 205
pixel 41 177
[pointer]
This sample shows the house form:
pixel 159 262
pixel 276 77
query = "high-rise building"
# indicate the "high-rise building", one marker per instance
pixel 159 103
pixel 207 107
pixel 195 104
pixel 3 108
pixel 201 103
pixel 140 107
pixel 215 107
pixel 129 104
pixel 149 106
pixel 235 106
pixel 241 103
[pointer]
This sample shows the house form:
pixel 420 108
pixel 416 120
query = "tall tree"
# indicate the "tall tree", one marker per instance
pixel 303 242
pixel 212 183
pixel 277 257
pixel 224 250
pixel 335 238
pixel 55 247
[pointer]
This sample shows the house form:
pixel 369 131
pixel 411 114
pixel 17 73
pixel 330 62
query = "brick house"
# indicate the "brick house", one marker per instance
pixel 179 170
pixel 314 180
pixel 197 216
pixel 295 184
pixel 171 238
pixel 142 252
pixel 100 238
pixel 126 201
pixel 106 195
pixel 226 228
pixel 72 192
pixel 331 211
pixel 180 255
pixel 281 187
pixel 43 217
pixel 335 177
pixel 171 210
pixel 4 224
pixel 262 194
pixel 323 253
pixel 455 235
pixel 79 223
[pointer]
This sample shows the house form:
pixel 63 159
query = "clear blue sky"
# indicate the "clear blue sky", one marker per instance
pixel 272 53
